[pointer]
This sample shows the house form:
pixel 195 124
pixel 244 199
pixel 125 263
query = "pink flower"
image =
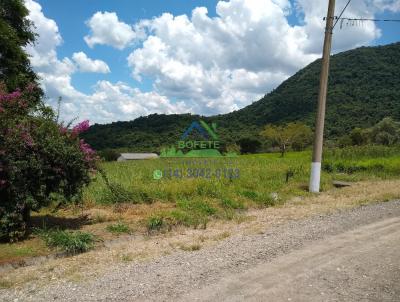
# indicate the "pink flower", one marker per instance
pixel 85 148
pixel 81 127
pixel 89 154
pixel 11 100
pixel 14 95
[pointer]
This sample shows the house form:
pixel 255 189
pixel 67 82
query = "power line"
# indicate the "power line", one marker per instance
pixel 357 21
pixel 337 19
pixel 360 20
pixel 367 19
pixel 341 14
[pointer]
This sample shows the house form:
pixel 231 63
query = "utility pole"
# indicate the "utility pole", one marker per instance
pixel 315 178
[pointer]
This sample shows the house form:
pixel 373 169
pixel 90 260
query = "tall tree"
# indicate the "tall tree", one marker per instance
pixel 386 132
pixel 15 34
pixel 295 135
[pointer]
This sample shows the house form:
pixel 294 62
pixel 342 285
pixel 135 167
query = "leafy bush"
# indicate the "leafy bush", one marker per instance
pixel 386 132
pixel 249 145
pixel 155 223
pixel 109 155
pixel 69 242
pixel 38 158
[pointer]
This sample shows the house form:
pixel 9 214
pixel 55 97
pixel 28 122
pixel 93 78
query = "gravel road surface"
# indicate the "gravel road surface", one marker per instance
pixel 352 255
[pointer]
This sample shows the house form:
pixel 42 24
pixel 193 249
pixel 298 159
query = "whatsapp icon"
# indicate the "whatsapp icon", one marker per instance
pixel 157 174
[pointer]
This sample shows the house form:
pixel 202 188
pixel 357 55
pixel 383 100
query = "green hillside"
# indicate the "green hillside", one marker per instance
pixel 363 88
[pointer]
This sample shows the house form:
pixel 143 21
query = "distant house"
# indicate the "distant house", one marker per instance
pixel 136 156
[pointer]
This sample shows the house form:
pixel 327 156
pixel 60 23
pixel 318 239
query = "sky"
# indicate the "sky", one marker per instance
pixel 118 60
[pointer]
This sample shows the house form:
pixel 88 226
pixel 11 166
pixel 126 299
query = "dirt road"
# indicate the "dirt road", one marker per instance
pixel 351 255
pixel 359 265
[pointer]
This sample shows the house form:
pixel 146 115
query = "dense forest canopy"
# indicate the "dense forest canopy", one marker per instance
pixel 363 89
pixel 16 32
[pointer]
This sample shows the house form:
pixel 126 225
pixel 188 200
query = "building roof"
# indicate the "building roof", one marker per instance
pixel 132 156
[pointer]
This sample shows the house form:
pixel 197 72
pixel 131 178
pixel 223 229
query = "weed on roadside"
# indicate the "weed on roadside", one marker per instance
pixel 118 228
pixel 190 247
pixel 70 242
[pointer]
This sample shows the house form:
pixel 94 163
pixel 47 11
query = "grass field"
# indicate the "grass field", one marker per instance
pixel 199 189
pixel 195 193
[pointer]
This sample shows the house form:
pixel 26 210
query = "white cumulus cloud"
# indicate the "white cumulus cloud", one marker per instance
pixel 108 102
pixel 106 29
pixel 86 64
pixel 223 63
pixel 197 63
pixel 218 64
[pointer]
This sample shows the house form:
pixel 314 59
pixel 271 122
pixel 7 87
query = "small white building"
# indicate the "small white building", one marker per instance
pixel 136 156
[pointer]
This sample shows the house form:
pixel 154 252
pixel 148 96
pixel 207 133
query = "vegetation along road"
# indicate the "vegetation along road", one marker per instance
pixel 347 255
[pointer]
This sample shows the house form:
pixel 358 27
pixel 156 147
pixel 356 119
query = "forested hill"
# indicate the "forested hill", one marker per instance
pixel 364 87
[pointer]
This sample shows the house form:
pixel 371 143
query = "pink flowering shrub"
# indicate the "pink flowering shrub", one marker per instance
pixel 81 127
pixel 39 158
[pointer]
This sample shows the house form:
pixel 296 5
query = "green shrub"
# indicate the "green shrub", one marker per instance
pixel 249 145
pixel 154 223
pixel 328 167
pixel 69 242
pixel 109 155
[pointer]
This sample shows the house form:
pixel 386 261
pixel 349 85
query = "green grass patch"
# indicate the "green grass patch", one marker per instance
pixel 67 241
pixel 227 203
pixel 118 228
pixel 364 162
pixel 24 249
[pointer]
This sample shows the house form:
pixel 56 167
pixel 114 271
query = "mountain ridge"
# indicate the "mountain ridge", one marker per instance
pixel 362 91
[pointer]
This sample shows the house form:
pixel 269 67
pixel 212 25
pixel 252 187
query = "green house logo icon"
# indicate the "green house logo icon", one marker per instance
pixel 207 147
